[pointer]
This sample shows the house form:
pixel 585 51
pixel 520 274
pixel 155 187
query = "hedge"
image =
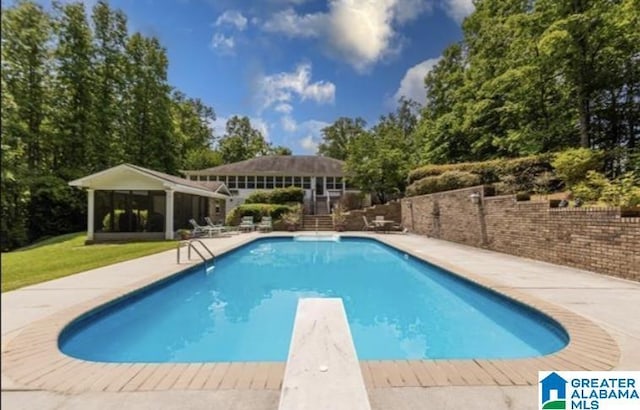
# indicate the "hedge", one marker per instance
pixel 276 196
pixel 444 182
pixel 257 211
pixel 489 171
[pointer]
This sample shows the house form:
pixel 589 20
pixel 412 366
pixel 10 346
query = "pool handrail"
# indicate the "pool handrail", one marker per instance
pixel 190 246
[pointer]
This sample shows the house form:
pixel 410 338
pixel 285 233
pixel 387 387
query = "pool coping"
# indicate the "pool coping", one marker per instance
pixel 33 360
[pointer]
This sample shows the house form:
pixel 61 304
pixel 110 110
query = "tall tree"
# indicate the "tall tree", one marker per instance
pixel 192 121
pixel 378 160
pixel 337 136
pixel 110 37
pixel 151 140
pixel 26 65
pixel 241 141
pixel 73 113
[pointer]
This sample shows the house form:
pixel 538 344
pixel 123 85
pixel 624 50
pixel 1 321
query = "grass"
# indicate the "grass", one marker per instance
pixel 65 255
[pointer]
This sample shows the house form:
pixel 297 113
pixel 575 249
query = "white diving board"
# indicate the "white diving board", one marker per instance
pixel 322 370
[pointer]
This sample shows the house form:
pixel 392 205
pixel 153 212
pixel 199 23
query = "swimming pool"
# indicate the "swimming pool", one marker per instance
pixel 398 307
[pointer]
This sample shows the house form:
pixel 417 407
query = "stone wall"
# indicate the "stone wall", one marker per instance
pixel 390 211
pixel 599 239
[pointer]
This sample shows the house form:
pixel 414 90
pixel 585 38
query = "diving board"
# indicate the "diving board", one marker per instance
pixel 322 370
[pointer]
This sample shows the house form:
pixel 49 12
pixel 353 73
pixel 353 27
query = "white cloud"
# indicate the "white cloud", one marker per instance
pixel 295 25
pixel 222 43
pixel 408 10
pixel 412 84
pixel 284 108
pixel 288 123
pixel 309 144
pixel 360 32
pixel 233 18
pixel 283 87
pixel 311 132
pixel 458 9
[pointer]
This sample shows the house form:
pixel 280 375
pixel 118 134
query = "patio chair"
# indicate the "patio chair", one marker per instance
pixel 199 229
pixel 367 225
pixel 265 224
pixel 219 228
pixel 247 224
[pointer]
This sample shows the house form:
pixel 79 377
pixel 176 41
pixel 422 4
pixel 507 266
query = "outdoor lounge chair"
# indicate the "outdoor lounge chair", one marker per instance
pixel 265 224
pixel 218 228
pixel 367 225
pixel 199 229
pixel 247 224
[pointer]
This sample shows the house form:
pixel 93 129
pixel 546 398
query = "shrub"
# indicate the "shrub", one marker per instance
pixel 624 191
pixel 444 182
pixel 573 165
pixel 257 211
pixel 490 171
pixel 287 195
pixel 258 197
pixel 590 190
pixel 293 216
pixel 523 196
pixel 277 196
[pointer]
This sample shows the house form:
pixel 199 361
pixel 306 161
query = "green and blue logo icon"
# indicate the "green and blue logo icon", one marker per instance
pixel 554 392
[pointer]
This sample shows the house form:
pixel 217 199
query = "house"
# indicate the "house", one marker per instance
pixel 132 202
pixel 321 178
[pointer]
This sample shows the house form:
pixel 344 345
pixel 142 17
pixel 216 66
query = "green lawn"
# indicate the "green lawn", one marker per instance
pixel 65 255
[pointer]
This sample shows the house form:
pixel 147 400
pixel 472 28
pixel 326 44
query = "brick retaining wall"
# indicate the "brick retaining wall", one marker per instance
pixel 594 239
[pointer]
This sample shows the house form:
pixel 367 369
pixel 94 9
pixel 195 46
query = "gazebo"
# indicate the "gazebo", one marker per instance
pixel 132 202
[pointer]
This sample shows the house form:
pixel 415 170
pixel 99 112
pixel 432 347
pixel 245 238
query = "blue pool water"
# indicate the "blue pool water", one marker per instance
pixel 243 310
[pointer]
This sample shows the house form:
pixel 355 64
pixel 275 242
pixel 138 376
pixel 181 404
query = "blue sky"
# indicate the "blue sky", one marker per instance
pixel 294 66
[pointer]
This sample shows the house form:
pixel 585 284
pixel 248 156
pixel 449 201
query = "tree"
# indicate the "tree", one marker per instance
pixel 110 38
pixel 241 141
pixel 192 121
pixel 337 136
pixel 26 65
pixel 279 150
pixel 73 107
pixel 378 161
pixel 151 141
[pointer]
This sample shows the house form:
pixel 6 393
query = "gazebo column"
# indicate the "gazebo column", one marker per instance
pixel 168 223
pixel 90 213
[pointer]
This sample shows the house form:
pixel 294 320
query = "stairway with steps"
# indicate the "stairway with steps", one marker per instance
pixel 325 222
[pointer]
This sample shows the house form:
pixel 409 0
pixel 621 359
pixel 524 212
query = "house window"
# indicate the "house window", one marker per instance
pixel 241 182
pixel 260 182
pixel 288 181
pixel 306 182
pixel 202 178
pixel 251 182
pixel 231 182
pixel 338 184
pixel 269 183
pixel 330 184
pixel 278 183
pixel 297 181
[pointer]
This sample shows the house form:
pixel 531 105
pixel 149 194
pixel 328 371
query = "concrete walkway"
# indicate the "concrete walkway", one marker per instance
pixel 609 302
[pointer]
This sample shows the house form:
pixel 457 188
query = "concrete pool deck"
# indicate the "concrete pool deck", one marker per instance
pixel 39 311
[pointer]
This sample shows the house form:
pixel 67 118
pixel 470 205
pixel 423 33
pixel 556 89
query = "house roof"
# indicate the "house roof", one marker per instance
pixel 291 165
pixel 111 175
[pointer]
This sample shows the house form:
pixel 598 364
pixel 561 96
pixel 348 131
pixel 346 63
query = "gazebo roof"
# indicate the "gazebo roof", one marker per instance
pixel 134 177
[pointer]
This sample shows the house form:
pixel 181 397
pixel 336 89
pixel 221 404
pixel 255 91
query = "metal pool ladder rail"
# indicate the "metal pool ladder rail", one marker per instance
pixel 190 246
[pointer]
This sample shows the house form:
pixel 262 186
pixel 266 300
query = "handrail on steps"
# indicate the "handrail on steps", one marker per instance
pixel 190 246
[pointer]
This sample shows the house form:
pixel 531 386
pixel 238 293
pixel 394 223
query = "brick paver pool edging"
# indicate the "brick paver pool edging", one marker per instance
pixel 33 360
